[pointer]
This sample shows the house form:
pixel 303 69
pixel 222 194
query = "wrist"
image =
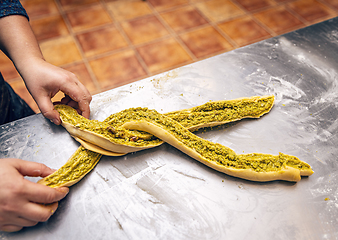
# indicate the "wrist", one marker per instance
pixel 18 41
pixel 26 67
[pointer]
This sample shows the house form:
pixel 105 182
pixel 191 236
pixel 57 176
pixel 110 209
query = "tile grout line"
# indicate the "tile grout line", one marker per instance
pixel 306 22
pixel 328 5
pixel 296 15
pixel 286 6
pixel 173 33
pixel 209 23
pixel 85 60
pixel 215 26
pixel 125 36
pixel 252 15
pixel 83 56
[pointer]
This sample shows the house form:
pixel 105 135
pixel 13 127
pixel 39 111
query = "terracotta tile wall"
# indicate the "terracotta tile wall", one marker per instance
pixel 109 43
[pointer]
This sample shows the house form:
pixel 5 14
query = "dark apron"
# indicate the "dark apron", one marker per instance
pixel 12 107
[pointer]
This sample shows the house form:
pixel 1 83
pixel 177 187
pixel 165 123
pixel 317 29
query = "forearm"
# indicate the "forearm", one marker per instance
pixel 43 80
pixel 18 42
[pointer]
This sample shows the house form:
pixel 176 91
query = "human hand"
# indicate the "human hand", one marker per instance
pixel 22 202
pixel 44 80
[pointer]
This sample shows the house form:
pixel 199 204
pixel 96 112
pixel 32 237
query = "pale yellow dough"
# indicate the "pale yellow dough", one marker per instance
pixel 173 128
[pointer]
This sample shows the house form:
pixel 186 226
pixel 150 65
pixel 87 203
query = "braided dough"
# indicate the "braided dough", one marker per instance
pixel 137 129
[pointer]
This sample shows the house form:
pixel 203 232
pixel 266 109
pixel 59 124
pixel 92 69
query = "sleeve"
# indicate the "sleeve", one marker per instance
pixel 12 7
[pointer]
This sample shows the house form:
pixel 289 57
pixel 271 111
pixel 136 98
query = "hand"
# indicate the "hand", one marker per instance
pixel 44 80
pixel 22 201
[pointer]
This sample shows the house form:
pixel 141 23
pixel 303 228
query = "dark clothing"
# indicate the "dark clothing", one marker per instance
pixel 12 107
pixel 11 7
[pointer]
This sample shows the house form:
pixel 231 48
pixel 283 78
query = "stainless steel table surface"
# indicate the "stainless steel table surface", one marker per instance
pixel 163 194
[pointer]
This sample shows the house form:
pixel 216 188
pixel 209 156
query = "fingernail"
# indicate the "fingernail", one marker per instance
pixel 36 173
pixel 56 121
pixel 63 190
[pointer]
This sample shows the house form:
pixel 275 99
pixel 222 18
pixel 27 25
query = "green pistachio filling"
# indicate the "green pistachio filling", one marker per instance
pixel 82 162
pixel 177 124
pixel 218 153
pixel 113 133
pixel 223 111
pixel 219 111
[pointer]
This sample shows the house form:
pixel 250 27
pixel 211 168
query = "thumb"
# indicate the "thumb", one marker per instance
pixel 32 169
pixel 47 109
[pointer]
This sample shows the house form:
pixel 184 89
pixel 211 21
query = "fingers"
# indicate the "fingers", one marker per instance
pixel 36 192
pixel 77 92
pixel 47 109
pixel 22 202
pixel 39 193
pixel 32 169
pixel 70 102
pixel 34 213
pixel 77 96
pixel 10 228
pixel 22 222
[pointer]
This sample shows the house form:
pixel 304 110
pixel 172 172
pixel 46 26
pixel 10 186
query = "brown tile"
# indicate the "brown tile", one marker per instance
pixel 60 51
pixel 72 4
pixel 253 5
pixel 86 18
pixel 117 69
pixel 244 30
pixel 161 5
pixel 205 41
pixel 83 75
pixel 125 10
pixel 279 20
pixel 20 88
pixel 311 10
pixel 95 42
pixel 184 18
pixel 7 68
pixel 332 3
pixel 144 29
pixel 163 55
pixel 49 27
pixel 219 10
pixel 36 8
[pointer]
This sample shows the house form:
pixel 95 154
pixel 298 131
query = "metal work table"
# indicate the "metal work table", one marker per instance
pixel 163 194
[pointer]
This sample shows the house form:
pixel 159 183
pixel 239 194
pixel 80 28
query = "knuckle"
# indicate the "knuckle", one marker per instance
pixel 18 188
pixel 47 113
pixel 69 76
pixel 8 208
pixel 72 75
pixel 50 197
pixel 43 167
pixel 44 216
pixel 87 98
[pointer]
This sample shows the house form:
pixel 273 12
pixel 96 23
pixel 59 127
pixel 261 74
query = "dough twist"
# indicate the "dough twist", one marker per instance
pixel 116 136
